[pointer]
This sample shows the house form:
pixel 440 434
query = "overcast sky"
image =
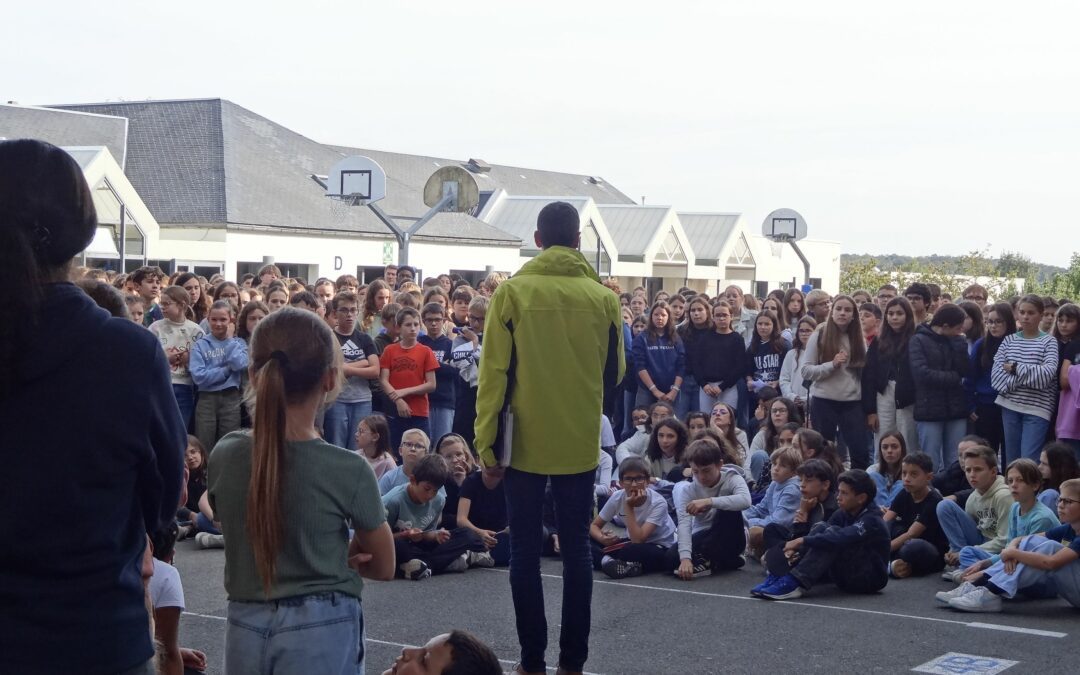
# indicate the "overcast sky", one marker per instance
pixel 916 128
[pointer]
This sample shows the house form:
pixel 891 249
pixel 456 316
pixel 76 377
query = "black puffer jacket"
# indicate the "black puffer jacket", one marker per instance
pixel 938 366
pixel 881 368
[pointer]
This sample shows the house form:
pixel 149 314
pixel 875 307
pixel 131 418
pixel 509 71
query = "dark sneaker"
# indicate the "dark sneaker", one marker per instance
pixel 621 569
pixel 702 566
pixel 414 569
pixel 769 581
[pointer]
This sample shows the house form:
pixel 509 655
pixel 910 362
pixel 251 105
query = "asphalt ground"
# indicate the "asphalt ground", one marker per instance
pixel 658 624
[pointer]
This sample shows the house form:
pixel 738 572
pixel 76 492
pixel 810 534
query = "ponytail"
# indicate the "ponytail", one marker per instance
pixel 264 512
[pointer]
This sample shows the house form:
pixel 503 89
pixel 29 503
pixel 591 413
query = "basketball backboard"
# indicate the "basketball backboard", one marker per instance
pixel 357 179
pixel 448 179
pixel 784 225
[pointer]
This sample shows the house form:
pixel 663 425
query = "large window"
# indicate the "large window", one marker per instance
pixel 594 251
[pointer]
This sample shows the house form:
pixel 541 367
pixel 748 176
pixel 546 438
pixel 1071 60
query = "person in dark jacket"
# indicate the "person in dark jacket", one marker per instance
pixel 90 437
pixel 851 548
pixel 939 361
pixel 659 358
pixel 888 392
pixel 982 397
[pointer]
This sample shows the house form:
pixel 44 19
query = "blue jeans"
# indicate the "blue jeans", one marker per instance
pixel 1035 582
pixel 320 633
pixel 940 438
pixel 204 524
pixel 1025 435
pixel 958 526
pixel 441 421
pixel 573 498
pixel 729 396
pixel 969 555
pixel 688 398
pixel 185 399
pixel 342 420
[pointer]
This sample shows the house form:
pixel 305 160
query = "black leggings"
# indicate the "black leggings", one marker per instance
pixel 722 544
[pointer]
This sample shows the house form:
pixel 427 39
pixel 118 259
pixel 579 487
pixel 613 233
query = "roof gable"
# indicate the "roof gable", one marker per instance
pixel 65 128
pixel 709 233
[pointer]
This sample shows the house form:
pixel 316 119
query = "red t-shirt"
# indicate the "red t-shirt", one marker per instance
pixel 409 368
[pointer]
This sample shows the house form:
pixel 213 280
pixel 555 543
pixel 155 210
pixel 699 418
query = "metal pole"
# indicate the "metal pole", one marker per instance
pixel 805 262
pixel 123 238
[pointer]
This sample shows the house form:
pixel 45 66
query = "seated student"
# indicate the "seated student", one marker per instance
pixel 851 549
pixel 373 443
pixel 639 420
pixel 453 653
pixel 187 516
pixel 1030 562
pixel 414 445
pixel 817 487
pixel 781 499
pixel 813 445
pixel 984 520
pixel 638 444
pixel 780 411
pixel 645 531
pixel 764 398
pixel 892 448
pixel 602 485
pixel 481 508
pixel 709 509
pixel 667 445
pixel 696 424
pixel 953 481
pixel 785 437
pixel 1057 464
pixel 166 594
pixel 459 458
pixel 413 512
pixel 1026 516
pixel 918 542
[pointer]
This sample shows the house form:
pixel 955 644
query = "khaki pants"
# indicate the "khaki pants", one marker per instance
pixel 216 414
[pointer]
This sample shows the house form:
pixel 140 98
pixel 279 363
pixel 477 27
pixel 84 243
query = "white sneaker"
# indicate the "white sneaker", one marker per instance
pixel 979 600
pixel 948 574
pixel 482 559
pixel 945 597
pixel 207 540
pixel 415 569
pixel 460 564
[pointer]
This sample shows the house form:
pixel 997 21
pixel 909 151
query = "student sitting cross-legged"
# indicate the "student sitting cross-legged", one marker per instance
pixel 817 486
pixel 639 513
pixel 414 446
pixel 851 549
pixel 413 511
pixel 709 508
pixel 482 509
pixel 1049 560
pixel 781 499
pixel 918 542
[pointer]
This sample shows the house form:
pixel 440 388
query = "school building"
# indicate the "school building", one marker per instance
pixel 209 186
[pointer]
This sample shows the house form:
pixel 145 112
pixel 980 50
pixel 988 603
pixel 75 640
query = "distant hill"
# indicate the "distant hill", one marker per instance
pixel 1009 262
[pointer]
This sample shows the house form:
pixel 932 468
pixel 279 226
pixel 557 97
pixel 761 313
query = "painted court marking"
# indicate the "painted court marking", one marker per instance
pixel 858 610
pixel 955 663
pixel 366 639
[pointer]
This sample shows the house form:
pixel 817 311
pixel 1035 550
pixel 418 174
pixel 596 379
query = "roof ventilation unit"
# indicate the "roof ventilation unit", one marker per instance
pixel 478 166
pixel 595 180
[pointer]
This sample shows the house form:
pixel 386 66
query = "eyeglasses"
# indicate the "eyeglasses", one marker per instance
pixel 994 322
pixel 348 311
pixel 1066 501
pixel 409 445
pixel 638 480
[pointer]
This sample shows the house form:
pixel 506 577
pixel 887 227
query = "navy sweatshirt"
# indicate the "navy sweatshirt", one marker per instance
pixel 716 358
pixel 662 359
pixel 92 446
pixel 446 376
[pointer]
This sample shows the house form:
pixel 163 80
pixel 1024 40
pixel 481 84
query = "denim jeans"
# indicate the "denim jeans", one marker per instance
pixel 1064 581
pixel 688 398
pixel 319 633
pixel 573 499
pixel 185 399
pixel 1025 435
pixel 958 526
pixel 441 421
pixel 729 396
pixel 939 439
pixel 204 524
pixel 342 420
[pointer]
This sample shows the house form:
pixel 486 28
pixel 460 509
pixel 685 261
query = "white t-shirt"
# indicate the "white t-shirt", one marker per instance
pixel 165 587
pixel 654 510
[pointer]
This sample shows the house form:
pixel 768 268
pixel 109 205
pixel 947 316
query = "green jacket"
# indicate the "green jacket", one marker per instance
pixel 553 342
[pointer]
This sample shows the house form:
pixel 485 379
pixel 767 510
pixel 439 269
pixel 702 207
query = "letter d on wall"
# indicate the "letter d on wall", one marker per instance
pixel 337 263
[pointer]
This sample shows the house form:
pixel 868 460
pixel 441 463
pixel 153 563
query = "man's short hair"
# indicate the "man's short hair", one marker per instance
pixel 462 294
pixel 433 308
pixel 424 438
pixel 788 457
pixel 983 452
pixel 922 290
pixel 558 225
pixel 479 304
pixel 389 313
pixel 633 463
pixel 342 296
pixel 405 313
pixel 304 298
pixel 139 275
pixel 432 469
pixel 872 308
pixel 860 483
pixel 919 459
pixel 887 287
pixel 816 468
pixel 470 656
pixel 948 315
pixel 703 452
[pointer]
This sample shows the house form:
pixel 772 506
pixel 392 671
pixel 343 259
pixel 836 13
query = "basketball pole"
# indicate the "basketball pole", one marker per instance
pixel 404 237
pixel 805 262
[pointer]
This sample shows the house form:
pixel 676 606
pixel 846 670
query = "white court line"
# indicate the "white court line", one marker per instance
pixel 366 639
pixel 974 624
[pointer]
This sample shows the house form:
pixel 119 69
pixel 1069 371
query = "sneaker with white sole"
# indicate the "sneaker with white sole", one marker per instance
pixel 982 599
pixel 207 540
pixel 953 574
pixel 460 564
pixel 944 597
pixel 621 569
pixel 414 569
pixel 480 559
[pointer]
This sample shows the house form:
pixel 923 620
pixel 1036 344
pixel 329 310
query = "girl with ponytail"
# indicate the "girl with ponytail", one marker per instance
pixel 299 574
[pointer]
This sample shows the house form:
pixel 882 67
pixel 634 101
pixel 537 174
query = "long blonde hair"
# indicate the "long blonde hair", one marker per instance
pixel 291 352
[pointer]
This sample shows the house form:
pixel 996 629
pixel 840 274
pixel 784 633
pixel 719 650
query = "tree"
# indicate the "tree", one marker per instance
pixel 863 274
pixel 1062 284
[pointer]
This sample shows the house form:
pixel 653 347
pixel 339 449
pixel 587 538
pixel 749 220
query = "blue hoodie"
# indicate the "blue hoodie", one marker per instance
pixel 92 446
pixel 779 504
pixel 663 360
pixel 217 364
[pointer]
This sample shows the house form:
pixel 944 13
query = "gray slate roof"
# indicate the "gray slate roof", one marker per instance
pixel 708 232
pixel 632 226
pixel 518 215
pixel 65 128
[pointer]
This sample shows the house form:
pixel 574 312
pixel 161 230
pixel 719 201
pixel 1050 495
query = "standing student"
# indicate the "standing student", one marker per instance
pixel 743 319
pixel 1025 375
pixel 1067 331
pixel 408 374
pixel 792 383
pixel 765 355
pixel 643 513
pixel 441 400
pixel 776 306
pixel 1049 314
pixel 982 397
pixel 293 583
pixel 870 316
pixel 659 358
pixel 939 362
pixel 834 361
pixel 217 361
pixel 696 333
pixel 984 519
pixel 918 542
pixel 378 296
pixel 918 294
pixel 888 391
pixel 360 366
pixel 818 305
pixel 200 301
pixel 147 282
pixel 795 308
pixel 886 472
pixel 177 335
pixel 465 354
pixel 718 362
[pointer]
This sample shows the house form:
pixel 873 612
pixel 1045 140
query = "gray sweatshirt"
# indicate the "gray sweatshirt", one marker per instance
pixel 729 494
pixel 841 383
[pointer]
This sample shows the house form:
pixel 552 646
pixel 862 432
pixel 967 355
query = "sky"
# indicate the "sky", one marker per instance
pixel 913 128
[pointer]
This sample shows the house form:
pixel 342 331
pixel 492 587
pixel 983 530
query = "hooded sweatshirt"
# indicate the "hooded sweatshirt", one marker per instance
pixel 729 494
pixel 664 359
pixel 217 364
pixel 990 512
pixel 92 446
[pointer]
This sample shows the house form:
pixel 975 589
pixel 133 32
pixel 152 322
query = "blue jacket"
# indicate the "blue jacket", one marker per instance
pixel 779 504
pixel 663 360
pixel 977 383
pixel 885 493
pixel 92 447
pixel 217 364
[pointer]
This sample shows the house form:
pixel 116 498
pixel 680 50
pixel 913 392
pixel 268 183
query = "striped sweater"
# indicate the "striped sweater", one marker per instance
pixel 1032 388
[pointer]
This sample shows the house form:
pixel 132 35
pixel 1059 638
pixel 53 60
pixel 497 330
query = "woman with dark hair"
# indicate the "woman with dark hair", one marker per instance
pixel 974 324
pixel 1067 330
pixel 378 296
pixel 985 414
pixel 659 358
pixel 697 336
pixel 794 307
pixel 939 362
pixel 72 565
pixel 792 384
pixel 888 391
pixel 667 444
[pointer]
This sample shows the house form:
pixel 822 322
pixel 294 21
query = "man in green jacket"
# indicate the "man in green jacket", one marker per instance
pixel 552 348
